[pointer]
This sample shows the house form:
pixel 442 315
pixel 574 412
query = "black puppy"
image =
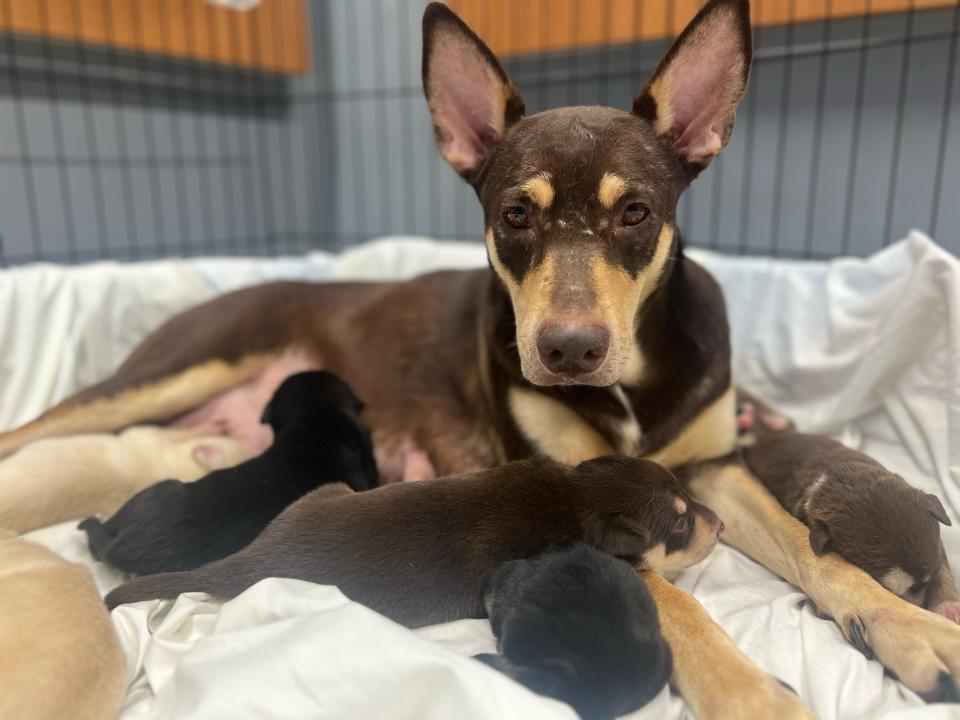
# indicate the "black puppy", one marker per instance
pixel 578 625
pixel 172 525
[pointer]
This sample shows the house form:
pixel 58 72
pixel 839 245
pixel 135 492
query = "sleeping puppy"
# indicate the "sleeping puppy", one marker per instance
pixel 863 512
pixel 175 526
pixel 757 420
pixel 58 479
pixel 59 654
pixel 580 626
pixel 422 553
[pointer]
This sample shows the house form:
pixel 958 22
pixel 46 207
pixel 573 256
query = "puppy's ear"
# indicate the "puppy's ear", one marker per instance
pixel 625 536
pixel 471 99
pixel 692 97
pixel 267 417
pixel 935 507
pixel 820 538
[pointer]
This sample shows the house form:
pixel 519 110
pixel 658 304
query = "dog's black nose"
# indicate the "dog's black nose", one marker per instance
pixel 567 348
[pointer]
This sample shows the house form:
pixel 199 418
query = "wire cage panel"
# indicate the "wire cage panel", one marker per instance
pixel 848 137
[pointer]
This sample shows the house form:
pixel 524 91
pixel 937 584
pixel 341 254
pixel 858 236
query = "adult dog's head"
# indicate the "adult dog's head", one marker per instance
pixel 580 202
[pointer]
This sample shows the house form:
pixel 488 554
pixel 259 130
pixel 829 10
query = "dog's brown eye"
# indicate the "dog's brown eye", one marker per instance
pixel 634 214
pixel 516 217
pixel 680 524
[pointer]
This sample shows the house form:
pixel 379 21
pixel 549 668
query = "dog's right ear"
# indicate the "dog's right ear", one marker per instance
pixel 471 99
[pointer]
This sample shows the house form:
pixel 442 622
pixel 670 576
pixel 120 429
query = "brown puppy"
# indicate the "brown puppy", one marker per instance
pixel 422 553
pixel 59 654
pixel 863 512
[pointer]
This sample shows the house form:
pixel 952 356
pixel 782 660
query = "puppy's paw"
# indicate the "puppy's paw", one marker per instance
pixel 949 609
pixel 918 647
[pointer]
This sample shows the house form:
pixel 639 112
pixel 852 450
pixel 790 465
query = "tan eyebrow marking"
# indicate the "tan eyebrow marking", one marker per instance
pixel 612 187
pixel 679 505
pixel 539 189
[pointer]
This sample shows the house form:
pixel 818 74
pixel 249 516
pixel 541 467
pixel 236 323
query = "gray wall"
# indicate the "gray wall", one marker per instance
pixel 121 156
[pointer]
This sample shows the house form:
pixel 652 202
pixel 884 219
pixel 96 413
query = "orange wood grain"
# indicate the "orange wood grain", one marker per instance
pixel 271 36
pixel 517 27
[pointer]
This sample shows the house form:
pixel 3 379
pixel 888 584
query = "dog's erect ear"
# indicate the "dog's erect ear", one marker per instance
pixel 471 99
pixel 936 508
pixel 820 538
pixel 692 97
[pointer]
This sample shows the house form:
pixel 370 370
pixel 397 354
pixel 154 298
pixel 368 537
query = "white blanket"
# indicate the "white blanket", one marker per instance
pixel 868 350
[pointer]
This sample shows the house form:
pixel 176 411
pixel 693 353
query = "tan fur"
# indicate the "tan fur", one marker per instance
pixel 531 303
pixel 539 189
pixel 612 187
pixel 897 581
pixel 912 642
pixel 709 435
pixel 555 429
pixel 622 297
pixel 704 541
pixel 59 479
pixel 59 654
pixel 714 677
pixel 163 399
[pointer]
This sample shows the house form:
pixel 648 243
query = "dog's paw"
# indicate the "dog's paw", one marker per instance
pixel 949 609
pixel 918 647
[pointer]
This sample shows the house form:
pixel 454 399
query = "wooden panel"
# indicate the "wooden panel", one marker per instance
pixel 271 36
pixel 515 27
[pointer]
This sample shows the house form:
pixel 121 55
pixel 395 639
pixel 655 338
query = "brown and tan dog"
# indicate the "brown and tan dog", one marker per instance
pixel 591 333
pixel 58 479
pixel 59 654
pixel 857 508
pixel 422 553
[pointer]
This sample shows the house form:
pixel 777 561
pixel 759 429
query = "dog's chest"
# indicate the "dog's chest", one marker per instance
pixel 571 427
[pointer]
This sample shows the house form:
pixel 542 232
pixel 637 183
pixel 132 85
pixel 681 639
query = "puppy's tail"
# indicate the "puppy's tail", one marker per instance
pixel 97 537
pixel 223 579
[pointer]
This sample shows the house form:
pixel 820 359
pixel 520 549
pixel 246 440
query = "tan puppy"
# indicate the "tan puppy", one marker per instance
pixel 59 479
pixel 59 654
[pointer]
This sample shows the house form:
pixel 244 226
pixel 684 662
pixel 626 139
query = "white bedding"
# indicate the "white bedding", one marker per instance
pixel 868 350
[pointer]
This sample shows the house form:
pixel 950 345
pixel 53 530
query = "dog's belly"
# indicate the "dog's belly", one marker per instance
pixel 237 412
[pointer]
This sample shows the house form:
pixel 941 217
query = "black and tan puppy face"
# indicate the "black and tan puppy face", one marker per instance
pixel 645 516
pixel 579 203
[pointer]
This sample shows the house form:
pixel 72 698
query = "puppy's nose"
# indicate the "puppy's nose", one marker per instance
pixel 567 348
pixel 721 528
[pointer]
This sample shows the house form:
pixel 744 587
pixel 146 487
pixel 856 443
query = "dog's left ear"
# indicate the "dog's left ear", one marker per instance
pixel 471 99
pixel 935 507
pixel 692 97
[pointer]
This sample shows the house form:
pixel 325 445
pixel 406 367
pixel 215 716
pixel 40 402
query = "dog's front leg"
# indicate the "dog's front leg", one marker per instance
pixel 713 676
pixel 922 649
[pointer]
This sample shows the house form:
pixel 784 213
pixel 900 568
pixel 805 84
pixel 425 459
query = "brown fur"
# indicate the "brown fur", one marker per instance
pixel 59 653
pixel 422 553
pixel 856 508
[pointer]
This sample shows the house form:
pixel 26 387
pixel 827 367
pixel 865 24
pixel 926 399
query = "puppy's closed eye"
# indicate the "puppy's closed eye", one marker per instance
pixel 680 525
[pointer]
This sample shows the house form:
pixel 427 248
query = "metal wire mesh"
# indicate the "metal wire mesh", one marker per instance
pixel 848 136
